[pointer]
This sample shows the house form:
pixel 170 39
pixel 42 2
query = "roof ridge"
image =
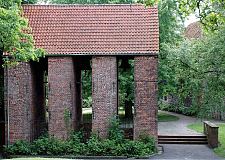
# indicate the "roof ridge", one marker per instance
pixel 134 4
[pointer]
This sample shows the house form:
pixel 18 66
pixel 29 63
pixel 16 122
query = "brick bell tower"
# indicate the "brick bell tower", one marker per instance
pixel 72 36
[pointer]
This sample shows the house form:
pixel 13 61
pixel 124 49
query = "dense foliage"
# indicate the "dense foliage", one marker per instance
pixel 210 12
pixel 86 88
pixel 126 88
pixel 13 39
pixel 115 145
pixel 170 32
pixel 199 72
pixel 192 71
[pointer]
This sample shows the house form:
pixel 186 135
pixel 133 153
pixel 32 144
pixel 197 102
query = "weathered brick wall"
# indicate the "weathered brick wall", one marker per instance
pixel 20 102
pixel 27 98
pixel 2 112
pixel 26 101
pixel 104 92
pixel 146 96
pixel 61 94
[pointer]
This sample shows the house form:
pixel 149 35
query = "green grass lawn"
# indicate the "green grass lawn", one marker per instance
pixel 162 117
pixel 84 109
pixel 220 150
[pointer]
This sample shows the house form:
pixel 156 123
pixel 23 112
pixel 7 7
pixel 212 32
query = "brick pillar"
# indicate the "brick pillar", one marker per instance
pixel 104 93
pixel 2 108
pixel 146 96
pixel 61 94
pixel 20 102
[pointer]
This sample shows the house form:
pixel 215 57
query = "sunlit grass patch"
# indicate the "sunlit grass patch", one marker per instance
pixel 163 117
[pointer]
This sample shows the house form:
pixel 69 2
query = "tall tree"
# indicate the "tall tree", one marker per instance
pixel 126 86
pixel 170 32
pixel 200 73
pixel 210 12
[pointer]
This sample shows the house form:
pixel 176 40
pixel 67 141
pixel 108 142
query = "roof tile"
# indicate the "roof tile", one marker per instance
pixel 193 30
pixel 92 29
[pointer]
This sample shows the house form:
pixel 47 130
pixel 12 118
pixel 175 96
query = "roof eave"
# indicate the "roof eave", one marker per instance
pixel 105 54
pixel 96 54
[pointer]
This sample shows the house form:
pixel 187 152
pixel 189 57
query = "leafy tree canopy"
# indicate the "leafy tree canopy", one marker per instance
pixel 199 72
pixel 29 1
pixel 170 32
pixel 210 12
pixel 13 39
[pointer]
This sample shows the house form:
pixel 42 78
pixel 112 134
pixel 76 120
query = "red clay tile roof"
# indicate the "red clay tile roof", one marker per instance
pixel 94 29
pixel 193 30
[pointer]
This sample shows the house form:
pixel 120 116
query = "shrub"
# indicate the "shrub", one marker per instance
pixel 46 145
pixel 75 146
pixel 115 145
pixel 114 130
pixel 18 148
pixel 94 145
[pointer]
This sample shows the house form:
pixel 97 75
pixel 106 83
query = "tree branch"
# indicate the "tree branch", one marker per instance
pixel 189 66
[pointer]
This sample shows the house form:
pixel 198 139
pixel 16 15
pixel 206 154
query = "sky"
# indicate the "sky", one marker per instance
pixel 192 19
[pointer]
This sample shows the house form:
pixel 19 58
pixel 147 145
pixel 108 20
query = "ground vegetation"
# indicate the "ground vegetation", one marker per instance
pixel 199 71
pixel 114 145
